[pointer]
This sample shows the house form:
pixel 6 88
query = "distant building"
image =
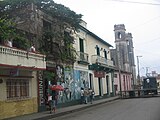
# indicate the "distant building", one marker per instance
pixel 158 82
pixel 123 56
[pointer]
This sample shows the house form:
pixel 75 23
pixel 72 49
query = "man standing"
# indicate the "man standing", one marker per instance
pixel 82 95
pixel 91 95
pixel 85 95
pixel 53 102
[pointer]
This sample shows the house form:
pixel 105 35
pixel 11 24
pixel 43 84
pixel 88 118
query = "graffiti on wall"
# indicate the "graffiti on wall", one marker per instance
pixel 84 79
pixel 72 81
pixel 60 74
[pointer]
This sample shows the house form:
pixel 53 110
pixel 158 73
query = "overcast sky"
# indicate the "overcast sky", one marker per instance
pixel 140 19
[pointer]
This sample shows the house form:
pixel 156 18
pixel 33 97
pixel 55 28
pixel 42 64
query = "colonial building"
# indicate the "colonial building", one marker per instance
pixel 94 53
pixel 123 56
pixel 20 81
pixel 23 84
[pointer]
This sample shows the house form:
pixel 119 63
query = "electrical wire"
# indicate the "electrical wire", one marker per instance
pixel 134 2
pixel 157 0
pixel 146 22
pixel 148 52
pixel 150 41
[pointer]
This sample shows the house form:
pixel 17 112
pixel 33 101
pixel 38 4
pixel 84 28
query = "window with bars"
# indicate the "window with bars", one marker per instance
pixel 17 89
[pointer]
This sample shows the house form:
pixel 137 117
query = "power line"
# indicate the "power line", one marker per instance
pixel 146 22
pixel 135 2
pixel 147 52
pixel 157 0
pixel 151 41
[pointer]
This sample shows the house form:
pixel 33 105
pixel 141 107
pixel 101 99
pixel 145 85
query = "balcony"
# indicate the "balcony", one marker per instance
pixel 82 58
pixel 95 59
pixel 16 57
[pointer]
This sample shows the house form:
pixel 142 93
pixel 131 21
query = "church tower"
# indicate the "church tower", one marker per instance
pixel 122 47
pixel 131 57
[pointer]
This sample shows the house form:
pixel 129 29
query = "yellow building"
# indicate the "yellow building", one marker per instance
pixel 20 79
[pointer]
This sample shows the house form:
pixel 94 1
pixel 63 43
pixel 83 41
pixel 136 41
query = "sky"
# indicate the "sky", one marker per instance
pixel 140 17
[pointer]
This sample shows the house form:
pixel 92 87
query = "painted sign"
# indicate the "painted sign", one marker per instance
pixel 40 88
pixel 99 74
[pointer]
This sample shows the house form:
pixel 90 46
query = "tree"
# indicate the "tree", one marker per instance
pixel 8 32
pixel 57 37
pixel 6 29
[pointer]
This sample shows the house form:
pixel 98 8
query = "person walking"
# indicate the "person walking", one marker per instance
pixel 85 95
pixel 54 101
pixel 82 95
pixel 91 95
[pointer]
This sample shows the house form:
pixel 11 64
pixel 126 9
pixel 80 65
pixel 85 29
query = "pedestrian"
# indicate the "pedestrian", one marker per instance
pixel 85 95
pixel 82 95
pixel 91 95
pixel 49 101
pixel 54 101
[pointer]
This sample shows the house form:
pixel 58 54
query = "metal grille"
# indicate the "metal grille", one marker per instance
pixel 17 89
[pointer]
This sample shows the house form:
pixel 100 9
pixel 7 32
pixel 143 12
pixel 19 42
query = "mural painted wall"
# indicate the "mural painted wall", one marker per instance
pixel 73 81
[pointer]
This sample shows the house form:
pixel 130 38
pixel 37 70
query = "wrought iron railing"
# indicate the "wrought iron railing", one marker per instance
pixel 82 56
pixel 101 60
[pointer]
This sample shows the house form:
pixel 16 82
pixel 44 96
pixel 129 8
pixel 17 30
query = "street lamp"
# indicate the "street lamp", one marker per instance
pixel 138 76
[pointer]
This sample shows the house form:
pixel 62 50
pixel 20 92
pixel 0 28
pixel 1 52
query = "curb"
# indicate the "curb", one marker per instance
pixel 74 110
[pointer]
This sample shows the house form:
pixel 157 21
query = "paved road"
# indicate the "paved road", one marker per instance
pixel 127 109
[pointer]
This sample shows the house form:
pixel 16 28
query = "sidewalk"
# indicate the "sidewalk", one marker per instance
pixel 62 111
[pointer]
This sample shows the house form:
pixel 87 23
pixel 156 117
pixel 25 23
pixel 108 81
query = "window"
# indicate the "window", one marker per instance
pixel 81 45
pixel 115 75
pixel 17 88
pixel 98 50
pixel 119 35
pixel 105 53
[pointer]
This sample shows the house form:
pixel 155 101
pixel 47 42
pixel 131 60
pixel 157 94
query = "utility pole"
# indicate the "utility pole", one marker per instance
pixel 138 76
pixel 147 71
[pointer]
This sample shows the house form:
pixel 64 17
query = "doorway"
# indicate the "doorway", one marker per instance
pixel 107 84
pixel 100 86
pixel 91 81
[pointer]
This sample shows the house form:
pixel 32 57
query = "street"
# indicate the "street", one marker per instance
pixel 125 109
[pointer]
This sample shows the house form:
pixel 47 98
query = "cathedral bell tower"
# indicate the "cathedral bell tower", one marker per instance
pixel 121 47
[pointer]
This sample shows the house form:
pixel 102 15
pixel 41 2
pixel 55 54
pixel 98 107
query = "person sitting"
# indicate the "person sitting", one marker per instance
pixel 32 49
pixel 8 43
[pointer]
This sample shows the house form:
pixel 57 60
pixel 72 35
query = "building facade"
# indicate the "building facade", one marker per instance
pixel 123 56
pixel 20 87
pixel 25 76
pixel 100 66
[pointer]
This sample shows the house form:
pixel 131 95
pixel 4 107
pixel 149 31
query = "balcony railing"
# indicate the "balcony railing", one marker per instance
pixel 16 57
pixel 83 57
pixel 101 60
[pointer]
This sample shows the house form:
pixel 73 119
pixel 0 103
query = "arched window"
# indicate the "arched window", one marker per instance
pixel 119 35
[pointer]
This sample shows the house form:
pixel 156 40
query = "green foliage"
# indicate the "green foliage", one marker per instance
pixel 49 75
pixel 62 13
pixel 21 42
pixel 7 30
pixel 52 39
